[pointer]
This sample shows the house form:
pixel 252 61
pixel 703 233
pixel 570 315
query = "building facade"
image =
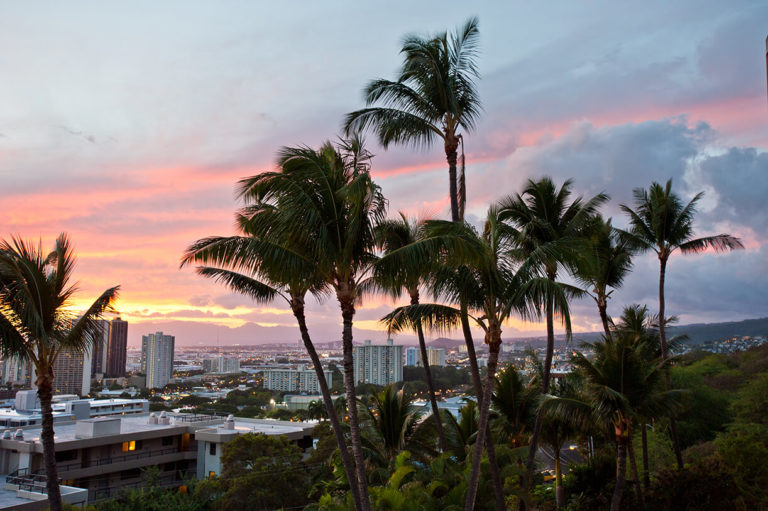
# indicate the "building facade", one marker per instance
pixel 301 379
pixel 222 365
pixel 17 372
pixel 411 356
pixel 105 455
pixel 436 357
pixel 100 349
pixel 157 359
pixel 72 371
pixel 378 364
pixel 118 345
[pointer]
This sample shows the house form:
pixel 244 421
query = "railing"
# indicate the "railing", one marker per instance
pixel 118 459
pixel 36 483
pixel 186 417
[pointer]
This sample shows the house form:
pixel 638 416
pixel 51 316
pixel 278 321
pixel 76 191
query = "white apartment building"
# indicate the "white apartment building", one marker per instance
pixel 157 359
pixel 436 357
pixel 378 364
pixel 301 379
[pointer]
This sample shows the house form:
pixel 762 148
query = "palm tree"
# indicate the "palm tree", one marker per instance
pixel 491 287
pixel 434 98
pixel 551 232
pixel 618 382
pixel 462 432
pixel 662 223
pixel 515 401
pixel 328 205
pixel 392 425
pixel 604 265
pixel 393 235
pixel 264 270
pixel 318 410
pixel 555 432
pixel 36 323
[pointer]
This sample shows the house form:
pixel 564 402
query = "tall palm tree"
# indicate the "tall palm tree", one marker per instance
pixel 433 98
pixel 661 222
pixel 328 205
pixel 605 264
pixel 254 265
pixel 550 231
pixel 492 287
pixel 392 235
pixel 37 322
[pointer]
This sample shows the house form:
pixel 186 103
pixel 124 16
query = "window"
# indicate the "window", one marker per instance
pixel 212 449
pixel 129 446
pixel 167 440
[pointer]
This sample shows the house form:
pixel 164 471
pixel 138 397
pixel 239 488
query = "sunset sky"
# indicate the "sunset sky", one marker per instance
pixel 126 125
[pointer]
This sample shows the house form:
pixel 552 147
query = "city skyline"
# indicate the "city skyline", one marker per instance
pixel 131 140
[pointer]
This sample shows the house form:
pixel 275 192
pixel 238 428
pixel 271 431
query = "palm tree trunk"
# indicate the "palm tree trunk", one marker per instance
pixel 45 393
pixel 430 383
pixel 531 462
pixel 297 305
pixel 451 155
pixel 664 355
pixel 602 307
pixel 482 429
pixel 559 488
pixel 550 343
pixel 646 469
pixel 633 467
pixel 347 313
pixel 498 486
pixel 621 469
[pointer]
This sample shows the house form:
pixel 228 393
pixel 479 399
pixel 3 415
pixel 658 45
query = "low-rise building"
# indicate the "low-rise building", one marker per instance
pixel 107 454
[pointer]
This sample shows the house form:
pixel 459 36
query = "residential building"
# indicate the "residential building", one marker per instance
pixel 378 364
pixel 100 349
pixel 222 365
pixel 411 356
pixel 436 357
pixel 105 455
pixel 118 345
pixel 72 372
pixel 157 359
pixel 17 372
pixel 301 379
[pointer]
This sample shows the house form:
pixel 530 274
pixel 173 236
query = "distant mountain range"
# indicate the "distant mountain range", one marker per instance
pixel 698 333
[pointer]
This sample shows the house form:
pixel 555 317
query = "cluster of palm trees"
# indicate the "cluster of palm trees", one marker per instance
pixel 318 226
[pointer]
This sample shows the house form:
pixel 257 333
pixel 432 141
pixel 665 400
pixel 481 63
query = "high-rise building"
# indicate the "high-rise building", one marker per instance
pixel 157 359
pixel 378 364
pixel 100 348
pixel 411 356
pixel 221 365
pixel 295 380
pixel 72 372
pixel 17 372
pixel 118 344
pixel 436 356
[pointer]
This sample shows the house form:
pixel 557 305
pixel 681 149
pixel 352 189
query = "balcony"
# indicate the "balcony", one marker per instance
pixel 88 468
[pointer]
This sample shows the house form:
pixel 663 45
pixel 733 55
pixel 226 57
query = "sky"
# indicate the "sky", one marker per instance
pixel 127 125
